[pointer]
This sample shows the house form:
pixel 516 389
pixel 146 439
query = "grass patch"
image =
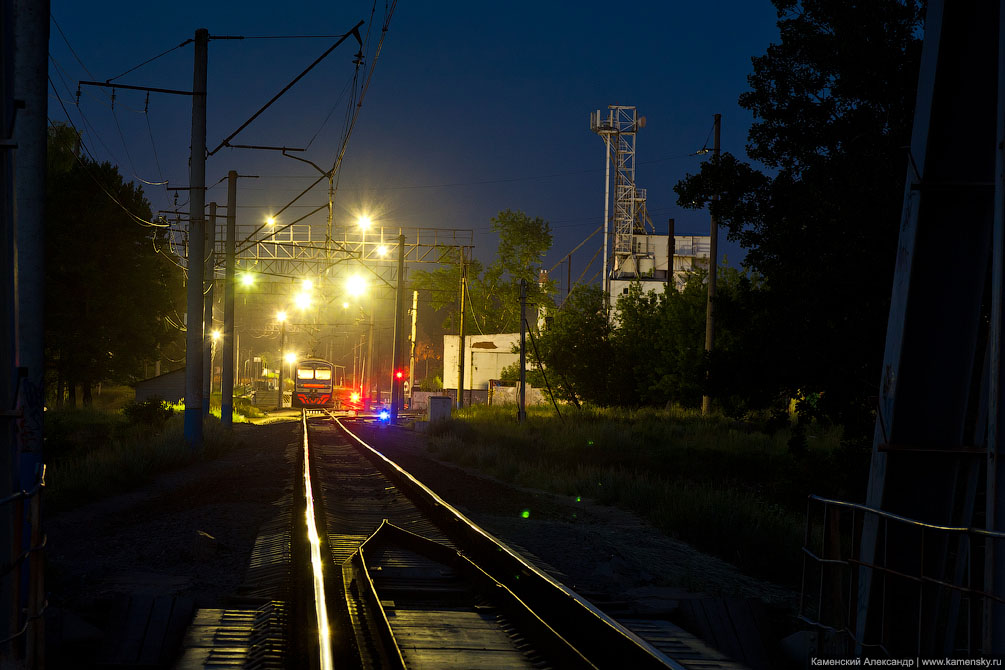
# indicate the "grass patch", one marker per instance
pixel 710 481
pixel 93 454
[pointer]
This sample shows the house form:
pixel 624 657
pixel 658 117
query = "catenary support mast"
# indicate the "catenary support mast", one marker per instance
pixel 196 233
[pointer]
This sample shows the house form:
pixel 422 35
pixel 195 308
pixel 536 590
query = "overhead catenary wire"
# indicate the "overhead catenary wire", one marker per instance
pixel 349 124
pixel 135 217
pixel 137 67
pixel 353 31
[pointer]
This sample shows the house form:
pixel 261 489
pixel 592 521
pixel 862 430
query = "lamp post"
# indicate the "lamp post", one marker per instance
pixel 212 357
pixel 355 286
pixel 281 318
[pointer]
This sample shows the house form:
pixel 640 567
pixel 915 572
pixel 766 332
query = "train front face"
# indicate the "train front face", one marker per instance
pixel 313 388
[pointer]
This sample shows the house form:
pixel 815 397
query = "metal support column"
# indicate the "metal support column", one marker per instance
pixel 227 382
pixel 460 338
pixel 411 349
pixel 208 282
pixel 196 232
pixel 521 412
pixel 399 329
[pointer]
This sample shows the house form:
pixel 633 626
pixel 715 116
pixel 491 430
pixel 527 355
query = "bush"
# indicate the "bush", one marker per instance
pixel 153 412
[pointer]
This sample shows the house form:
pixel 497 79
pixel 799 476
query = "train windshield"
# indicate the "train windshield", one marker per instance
pixel 322 373
pixel 308 373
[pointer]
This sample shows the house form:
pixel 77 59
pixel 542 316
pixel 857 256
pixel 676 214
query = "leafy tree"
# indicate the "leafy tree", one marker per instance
pixel 660 343
pixel 833 102
pixel 578 349
pixel 493 304
pixel 109 294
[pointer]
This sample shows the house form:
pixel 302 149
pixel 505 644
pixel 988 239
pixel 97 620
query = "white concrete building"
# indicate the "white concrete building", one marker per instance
pixel 484 358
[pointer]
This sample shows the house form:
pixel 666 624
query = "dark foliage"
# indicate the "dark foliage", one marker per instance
pixel 833 102
pixel 153 412
pixel 110 297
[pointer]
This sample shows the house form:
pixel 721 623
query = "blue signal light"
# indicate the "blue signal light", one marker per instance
pixel 384 415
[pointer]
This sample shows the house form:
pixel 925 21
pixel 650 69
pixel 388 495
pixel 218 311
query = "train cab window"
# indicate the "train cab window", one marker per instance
pixel 305 373
pixel 322 373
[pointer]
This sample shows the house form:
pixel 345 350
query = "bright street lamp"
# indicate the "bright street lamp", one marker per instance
pixel 355 285
pixel 302 300
pixel 290 357
pixel 382 250
pixel 247 279
pixel 271 221
pixel 307 285
pixel 364 222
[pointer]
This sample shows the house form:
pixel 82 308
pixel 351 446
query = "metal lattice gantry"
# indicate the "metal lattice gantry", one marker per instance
pixel 298 251
pixel 625 215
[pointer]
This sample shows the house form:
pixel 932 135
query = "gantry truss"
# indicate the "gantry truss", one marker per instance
pixel 298 251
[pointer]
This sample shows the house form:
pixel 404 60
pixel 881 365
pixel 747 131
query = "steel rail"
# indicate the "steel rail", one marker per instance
pixel 320 603
pixel 601 639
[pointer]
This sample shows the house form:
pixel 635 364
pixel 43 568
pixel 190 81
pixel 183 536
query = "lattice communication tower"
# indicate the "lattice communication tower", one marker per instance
pixel 625 216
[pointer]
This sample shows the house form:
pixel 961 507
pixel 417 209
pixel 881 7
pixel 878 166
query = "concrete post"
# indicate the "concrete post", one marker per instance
pixel 521 412
pixel 399 328
pixel 196 233
pixel 227 383
pixel 713 265
pixel 207 318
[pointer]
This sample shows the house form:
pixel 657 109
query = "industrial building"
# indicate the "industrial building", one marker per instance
pixel 633 252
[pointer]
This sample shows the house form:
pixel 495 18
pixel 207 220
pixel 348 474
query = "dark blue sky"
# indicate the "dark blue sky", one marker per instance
pixel 474 107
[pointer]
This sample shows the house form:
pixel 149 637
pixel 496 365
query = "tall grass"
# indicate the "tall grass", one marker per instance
pixel 91 454
pixel 722 487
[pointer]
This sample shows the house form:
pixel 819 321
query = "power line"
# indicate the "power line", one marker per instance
pixel 136 218
pixel 350 123
pixel 108 81
pixel 353 31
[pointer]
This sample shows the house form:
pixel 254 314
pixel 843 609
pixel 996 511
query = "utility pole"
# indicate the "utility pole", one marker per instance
pixel 196 233
pixel 460 338
pixel 30 41
pixel 399 328
pixel 9 516
pixel 411 349
pixel 521 412
pixel 227 381
pixel 368 378
pixel 282 357
pixel 713 267
pixel 207 318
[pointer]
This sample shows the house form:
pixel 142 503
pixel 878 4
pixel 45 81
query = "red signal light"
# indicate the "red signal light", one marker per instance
pixel 399 374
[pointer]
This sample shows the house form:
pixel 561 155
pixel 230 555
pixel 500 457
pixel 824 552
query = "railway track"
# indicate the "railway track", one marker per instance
pixel 421 586
pixel 367 567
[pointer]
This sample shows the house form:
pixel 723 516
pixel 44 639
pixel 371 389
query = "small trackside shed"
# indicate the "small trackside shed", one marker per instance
pixel 169 386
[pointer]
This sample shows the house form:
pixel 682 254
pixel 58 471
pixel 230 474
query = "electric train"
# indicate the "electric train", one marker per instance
pixel 314 384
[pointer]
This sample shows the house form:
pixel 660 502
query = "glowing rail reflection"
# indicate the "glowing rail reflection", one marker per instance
pixel 321 608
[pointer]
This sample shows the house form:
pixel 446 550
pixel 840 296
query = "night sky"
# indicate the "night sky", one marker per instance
pixel 473 107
